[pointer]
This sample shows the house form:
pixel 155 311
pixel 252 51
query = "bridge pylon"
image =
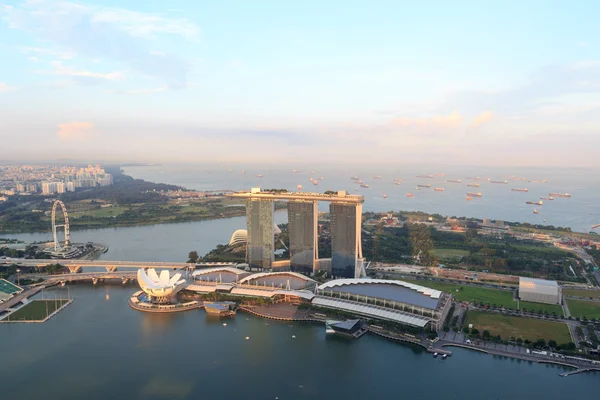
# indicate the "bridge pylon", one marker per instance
pixel 74 268
pixel 111 268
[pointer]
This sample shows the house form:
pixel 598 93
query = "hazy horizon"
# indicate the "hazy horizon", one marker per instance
pixel 362 83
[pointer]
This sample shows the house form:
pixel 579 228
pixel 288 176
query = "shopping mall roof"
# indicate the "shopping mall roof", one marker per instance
pixel 400 291
pixel 261 275
pixel 371 311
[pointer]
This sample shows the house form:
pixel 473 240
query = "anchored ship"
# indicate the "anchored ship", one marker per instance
pixel 537 203
pixel 454 181
pixel 560 195
pixel 474 194
pixel 520 190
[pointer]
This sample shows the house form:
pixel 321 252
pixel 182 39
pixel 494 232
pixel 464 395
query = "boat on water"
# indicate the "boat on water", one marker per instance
pixel 410 195
pixel 500 182
pixel 364 185
pixel 520 190
pixel 384 195
pixel 468 198
pixel 473 185
pixel 397 181
pixel 221 309
pixel 560 195
pixel 454 181
pixel 259 175
pixel 316 183
pixel 440 189
pixel 473 178
pixel 424 176
pixel 537 203
pixel 474 194
pixel 444 356
pixel 538 181
pixel 424 186
pixel 546 198
pixel 377 177
pixel 435 355
pixel 535 211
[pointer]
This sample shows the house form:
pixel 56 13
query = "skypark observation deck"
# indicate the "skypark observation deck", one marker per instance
pixel 341 196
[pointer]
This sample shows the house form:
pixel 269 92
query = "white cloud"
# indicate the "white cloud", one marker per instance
pixel 63 70
pixel 5 88
pixel 75 130
pixel 50 52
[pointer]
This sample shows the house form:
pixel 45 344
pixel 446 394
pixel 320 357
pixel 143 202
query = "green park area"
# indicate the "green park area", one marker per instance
pixel 36 310
pixel 595 294
pixel 583 308
pixel 450 253
pixel 517 327
pixel 500 298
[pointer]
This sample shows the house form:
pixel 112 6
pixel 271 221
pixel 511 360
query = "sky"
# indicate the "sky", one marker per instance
pixel 461 82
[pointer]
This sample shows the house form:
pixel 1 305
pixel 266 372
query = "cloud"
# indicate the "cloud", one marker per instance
pixel 554 82
pixel 144 91
pixel 49 52
pixel 75 131
pixel 452 120
pixel 5 88
pixel 113 34
pixel 81 75
pixel 481 119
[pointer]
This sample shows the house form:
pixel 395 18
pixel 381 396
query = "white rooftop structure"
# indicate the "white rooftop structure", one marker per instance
pixel 539 291
pixel 239 237
pixel 371 311
pixel 162 285
pixel 433 293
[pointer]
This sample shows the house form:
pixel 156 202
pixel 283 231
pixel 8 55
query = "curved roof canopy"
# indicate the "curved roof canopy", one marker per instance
pixel 254 277
pixel 239 237
pixel 159 285
pixel 433 293
pixel 231 270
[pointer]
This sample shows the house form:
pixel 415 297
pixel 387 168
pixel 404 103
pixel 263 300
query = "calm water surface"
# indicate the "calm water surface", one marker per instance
pixel 102 349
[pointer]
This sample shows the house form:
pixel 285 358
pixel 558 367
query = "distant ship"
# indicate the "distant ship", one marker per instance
pixel 424 176
pixel 468 198
pixel 397 181
pixel 360 182
pixel 243 172
pixel 315 182
pixel 537 203
pixel 439 189
pixel 547 198
pixel 384 195
pixel 454 181
pixel 501 182
pixel 354 178
pixel 473 185
pixel 538 181
pixel 321 178
pixel 364 185
pixel 295 170
pixel 474 194
pixel 313 172
pixel 377 177
pixel 473 178
pixel 424 186
pixel 410 195
pixel 536 211
pixel 520 190
pixel 560 194
pixel 259 175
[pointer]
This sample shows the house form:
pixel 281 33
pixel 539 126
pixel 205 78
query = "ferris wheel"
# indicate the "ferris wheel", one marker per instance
pixel 65 226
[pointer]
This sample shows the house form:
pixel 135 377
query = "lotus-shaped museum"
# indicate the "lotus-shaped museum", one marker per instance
pixel 163 285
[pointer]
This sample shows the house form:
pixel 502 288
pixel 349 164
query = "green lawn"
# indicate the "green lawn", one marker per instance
pixel 582 308
pixel 537 307
pixel 36 310
pixel 450 253
pixel 99 212
pixel 582 293
pixel 524 328
pixel 502 298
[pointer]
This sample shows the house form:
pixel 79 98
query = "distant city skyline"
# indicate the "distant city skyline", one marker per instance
pixel 462 83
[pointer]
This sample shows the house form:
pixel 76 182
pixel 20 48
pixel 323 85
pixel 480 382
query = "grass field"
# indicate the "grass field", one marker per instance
pixel 450 253
pixel 502 298
pixel 537 307
pixel 582 308
pixel 582 293
pixel 524 328
pixel 100 212
pixel 36 310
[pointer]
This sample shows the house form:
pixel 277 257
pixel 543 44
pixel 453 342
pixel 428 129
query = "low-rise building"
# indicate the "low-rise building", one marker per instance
pixel 539 291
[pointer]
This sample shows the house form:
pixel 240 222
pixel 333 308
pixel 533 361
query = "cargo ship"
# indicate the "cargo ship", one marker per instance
pixel 538 181
pixel 536 211
pixel 397 181
pixel 384 195
pixel 377 177
pixel 473 185
pixel 259 175
pixel 364 185
pixel 316 183
pixel 537 203
pixel 473 178
pixel 468 198
pixel 560 195
pixel 410 195
pixel 439 189
pixel 474 194
pixel 500 182
pixel 454 181
pixel 424 176
pixel 520 190
pixel 424 186
pixel 547 198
